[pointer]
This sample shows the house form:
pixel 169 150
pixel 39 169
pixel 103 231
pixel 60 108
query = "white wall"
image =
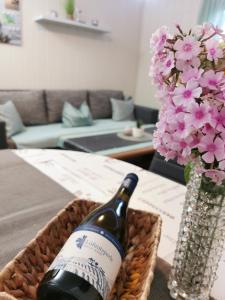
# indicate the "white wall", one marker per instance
pixel 61 57
pixel 156 14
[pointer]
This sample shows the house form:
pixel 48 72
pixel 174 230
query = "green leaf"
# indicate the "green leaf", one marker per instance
pixel 70 6
pixel 187 171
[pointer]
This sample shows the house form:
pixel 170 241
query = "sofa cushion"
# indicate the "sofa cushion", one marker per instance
pixel 100 104
pixel 76 117
pixel 55 100
pixel 30 105
pixel 10 115
pixel 53 135
pixel 122 110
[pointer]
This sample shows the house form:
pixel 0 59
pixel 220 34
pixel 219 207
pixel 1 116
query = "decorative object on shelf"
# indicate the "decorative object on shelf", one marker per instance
pixel 95 22
pixel 78 14
pixel 70 9
pixel 12 4
pixel 188 71
pixel 10 22
pixel 53 14
pixel 80 17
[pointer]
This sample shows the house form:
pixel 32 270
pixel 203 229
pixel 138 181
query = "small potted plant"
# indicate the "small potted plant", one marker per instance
pixel 70 8
pixel 138 131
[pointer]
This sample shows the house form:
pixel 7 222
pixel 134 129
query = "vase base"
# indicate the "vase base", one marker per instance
pixel 179 294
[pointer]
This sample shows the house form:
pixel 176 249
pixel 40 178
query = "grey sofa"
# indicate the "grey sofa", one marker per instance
pixel 41 112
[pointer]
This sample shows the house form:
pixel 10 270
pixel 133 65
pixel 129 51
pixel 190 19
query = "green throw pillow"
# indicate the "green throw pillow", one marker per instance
pixel 76 117
pixel 122 110
pixel 10 115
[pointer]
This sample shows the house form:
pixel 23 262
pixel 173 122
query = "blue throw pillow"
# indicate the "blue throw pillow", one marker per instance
pixel 76 117
pixel 122 110
pixel 10 115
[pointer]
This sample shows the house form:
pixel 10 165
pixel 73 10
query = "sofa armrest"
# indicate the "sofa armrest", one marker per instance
pixel 3 138
pixel 146 114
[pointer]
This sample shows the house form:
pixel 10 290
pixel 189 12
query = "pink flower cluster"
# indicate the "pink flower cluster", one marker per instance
pixel 188 71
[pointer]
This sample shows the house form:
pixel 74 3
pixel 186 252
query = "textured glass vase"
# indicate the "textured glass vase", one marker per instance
pixel 201 239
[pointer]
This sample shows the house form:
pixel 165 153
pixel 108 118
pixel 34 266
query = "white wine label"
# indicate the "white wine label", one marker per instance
pixel 93 254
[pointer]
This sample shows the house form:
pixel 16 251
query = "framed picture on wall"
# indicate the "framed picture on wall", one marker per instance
pixel 12 4
pixel 10 22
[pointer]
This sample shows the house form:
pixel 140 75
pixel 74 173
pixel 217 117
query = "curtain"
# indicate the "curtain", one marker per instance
pixel 212 11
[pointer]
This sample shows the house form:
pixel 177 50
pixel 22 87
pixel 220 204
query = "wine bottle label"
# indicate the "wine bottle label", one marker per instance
pixel 94 254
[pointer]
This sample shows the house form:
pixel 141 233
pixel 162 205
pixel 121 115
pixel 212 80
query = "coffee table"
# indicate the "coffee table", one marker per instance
pixel 112 145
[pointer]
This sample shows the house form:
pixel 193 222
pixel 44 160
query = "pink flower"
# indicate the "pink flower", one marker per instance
pixel 207 29
pixel 217 176
pixel 191 73
pixel 218 119
pixel 192 118
pixel 204 29
pixel 186 95
pixel 212 80
pixel 159 38
pixel 170 155
pixel 157 79
pixel 168 64
pixel 222 165
pixel 208 129
pixel 220 96
pixel 182 160
pixel 196 139
pixel 157 141
pixel 214 52
pixel 187 48
pixel 183 146
pixel 181 127
pixel 199 115
pixel 182 65
pixel 173 112
pixel 213 148
pixel 218 31
pixel 164 94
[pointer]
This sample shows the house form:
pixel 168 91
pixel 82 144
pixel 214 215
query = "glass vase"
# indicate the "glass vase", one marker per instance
pixel 200 241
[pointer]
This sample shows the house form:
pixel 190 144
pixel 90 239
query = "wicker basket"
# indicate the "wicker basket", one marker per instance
pixel 20 278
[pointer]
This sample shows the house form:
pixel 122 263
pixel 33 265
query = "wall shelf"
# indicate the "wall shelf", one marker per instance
pixel 64 22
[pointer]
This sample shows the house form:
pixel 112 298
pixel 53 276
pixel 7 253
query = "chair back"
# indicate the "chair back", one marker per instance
pixel 169 169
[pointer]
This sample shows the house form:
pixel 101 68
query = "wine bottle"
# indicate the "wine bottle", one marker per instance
pixel 88 264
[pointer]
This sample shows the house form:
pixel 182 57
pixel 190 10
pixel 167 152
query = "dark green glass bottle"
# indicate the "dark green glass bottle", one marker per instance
pixel 87 265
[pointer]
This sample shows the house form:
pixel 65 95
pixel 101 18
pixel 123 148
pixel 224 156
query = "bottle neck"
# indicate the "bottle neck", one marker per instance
pixel 127 188
pixel 123 194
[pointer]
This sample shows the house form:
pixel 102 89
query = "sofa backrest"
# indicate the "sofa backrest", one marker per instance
pixel 99 102
pixel 55 100
pixel 30 105
pixel 43 107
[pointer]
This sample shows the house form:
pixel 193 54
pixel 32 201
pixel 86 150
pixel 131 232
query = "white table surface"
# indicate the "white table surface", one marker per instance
pixel 98 177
